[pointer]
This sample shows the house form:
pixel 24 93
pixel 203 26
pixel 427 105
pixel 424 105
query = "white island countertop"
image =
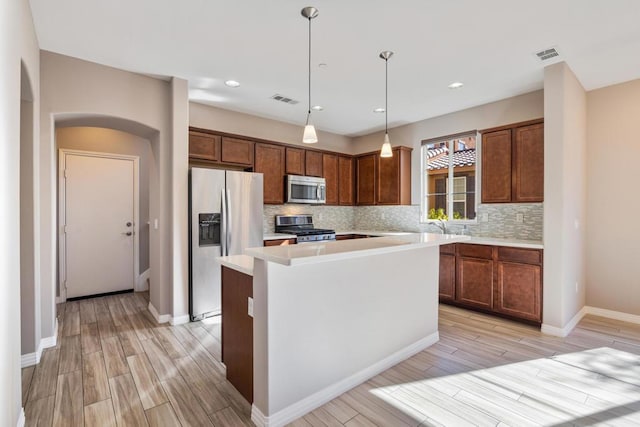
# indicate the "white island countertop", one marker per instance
pixel 308 253
pixel 241 263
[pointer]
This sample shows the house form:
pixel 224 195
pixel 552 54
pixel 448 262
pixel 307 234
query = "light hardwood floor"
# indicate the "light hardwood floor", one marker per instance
pixel 115 366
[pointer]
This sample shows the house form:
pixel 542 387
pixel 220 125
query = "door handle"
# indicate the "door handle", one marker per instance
pixel 128 233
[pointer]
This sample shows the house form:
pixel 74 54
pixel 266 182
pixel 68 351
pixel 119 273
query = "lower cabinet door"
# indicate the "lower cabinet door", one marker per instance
pixel 519 289
pixel 447 280
pixel 474 282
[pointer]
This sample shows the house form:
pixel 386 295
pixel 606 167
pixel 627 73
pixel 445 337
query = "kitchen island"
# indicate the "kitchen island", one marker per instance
pixel 328 316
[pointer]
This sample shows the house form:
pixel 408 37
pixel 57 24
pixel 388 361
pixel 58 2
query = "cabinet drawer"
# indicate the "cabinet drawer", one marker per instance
pixel 474 251
pixel 448 249
pixel 525 256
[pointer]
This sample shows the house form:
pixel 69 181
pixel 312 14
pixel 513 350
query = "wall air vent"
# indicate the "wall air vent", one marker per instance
pixel 545 55
pixel 284 99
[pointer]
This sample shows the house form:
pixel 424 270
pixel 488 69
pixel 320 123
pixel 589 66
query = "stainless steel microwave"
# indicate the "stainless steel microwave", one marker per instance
pixel 306 189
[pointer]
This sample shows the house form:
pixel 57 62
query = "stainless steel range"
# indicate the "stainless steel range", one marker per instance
pixel 302 227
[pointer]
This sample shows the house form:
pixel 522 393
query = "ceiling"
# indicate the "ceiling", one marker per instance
pixel 488 45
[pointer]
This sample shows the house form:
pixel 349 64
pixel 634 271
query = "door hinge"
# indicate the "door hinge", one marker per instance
pixel 65 174
pixel 65 284
pixel 64 229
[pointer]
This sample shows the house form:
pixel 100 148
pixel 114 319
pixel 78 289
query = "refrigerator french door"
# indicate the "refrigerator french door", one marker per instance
pixel 225 217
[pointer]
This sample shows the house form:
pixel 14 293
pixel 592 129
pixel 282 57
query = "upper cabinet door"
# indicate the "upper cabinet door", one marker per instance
pixel 237 151
pixel 313 162
pixel 204 146
pixel 330 172
pixel 528 183
pixel 295 161
pixel 269 161
pixel 346 180
pixel 496 167
pixel 366 173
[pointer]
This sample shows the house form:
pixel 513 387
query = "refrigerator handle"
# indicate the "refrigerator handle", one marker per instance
pixel 229 225
pixel 224 226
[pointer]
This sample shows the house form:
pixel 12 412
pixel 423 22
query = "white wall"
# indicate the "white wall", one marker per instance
pixel 180 208
pixel 565 184
pixel 512 110
pixel 207 117
pixel 81 93
pixel 17 43
pixel 613 270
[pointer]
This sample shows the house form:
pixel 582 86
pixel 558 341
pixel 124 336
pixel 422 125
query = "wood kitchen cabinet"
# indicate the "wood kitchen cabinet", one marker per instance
pixel 528 184
pixel 295 161
pixel 330 173
pixel 384 181
pixel 501 280
pixel 393 179
pixel 237 330
pixel 313 163
pixel 474 275
pixel 236 151
pixel 366 179
pixel 519 283
pixel 346 176
pixel 447 279
pixel 513 163
pixel 279 242
pixel 204 146
pixel 270 161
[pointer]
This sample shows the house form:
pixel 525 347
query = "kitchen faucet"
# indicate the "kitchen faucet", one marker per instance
pixel 441 225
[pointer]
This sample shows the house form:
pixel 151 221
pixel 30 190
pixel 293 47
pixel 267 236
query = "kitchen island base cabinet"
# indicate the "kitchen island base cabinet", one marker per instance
pixel 323 327
pixel 237 330
pixel 499 280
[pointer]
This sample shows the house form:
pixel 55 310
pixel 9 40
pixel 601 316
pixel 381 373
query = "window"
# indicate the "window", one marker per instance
pixel 449 160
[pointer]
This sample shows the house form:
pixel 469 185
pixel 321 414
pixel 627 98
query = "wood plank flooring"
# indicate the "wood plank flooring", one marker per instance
pixel 114 366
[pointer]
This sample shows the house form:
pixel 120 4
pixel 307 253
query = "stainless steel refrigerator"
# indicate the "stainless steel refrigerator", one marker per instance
pixel 225 217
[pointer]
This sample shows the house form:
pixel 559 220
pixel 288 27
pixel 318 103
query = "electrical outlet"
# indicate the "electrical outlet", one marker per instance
pixel 250 306
pixel 519 217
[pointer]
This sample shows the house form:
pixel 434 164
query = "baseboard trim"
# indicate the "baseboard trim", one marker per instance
pixel 566 330
pixel 28 359
pixel 180 320
pixel 602 312
pixel 611 314
pixel 21 418
pixel 308 404
pixel 141 283
pixel 31 359
pixel 160 318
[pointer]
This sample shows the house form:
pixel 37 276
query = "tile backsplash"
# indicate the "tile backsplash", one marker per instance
pixel 501 219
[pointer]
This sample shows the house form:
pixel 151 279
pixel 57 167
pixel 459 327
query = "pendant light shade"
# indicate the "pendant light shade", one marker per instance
pixel 386 145
pixel 309 136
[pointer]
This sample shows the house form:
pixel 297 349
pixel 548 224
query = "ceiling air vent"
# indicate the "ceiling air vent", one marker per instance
pixel 284 99
pixel 547 54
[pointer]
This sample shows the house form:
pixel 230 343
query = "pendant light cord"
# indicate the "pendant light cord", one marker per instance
pixel 386 94
pixel 309 111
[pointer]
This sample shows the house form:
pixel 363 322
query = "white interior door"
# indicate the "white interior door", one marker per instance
pixel 99 200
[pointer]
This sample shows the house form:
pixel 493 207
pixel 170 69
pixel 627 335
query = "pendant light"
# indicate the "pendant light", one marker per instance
pixel 309 136
pixel 386 146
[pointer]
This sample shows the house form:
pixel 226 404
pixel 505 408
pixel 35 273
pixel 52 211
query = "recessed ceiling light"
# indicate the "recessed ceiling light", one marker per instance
pixel 456 85
pixel 232 83
pixel 317 108
pixel 378 110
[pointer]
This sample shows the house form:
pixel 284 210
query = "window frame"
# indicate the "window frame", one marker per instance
pixel 424 208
